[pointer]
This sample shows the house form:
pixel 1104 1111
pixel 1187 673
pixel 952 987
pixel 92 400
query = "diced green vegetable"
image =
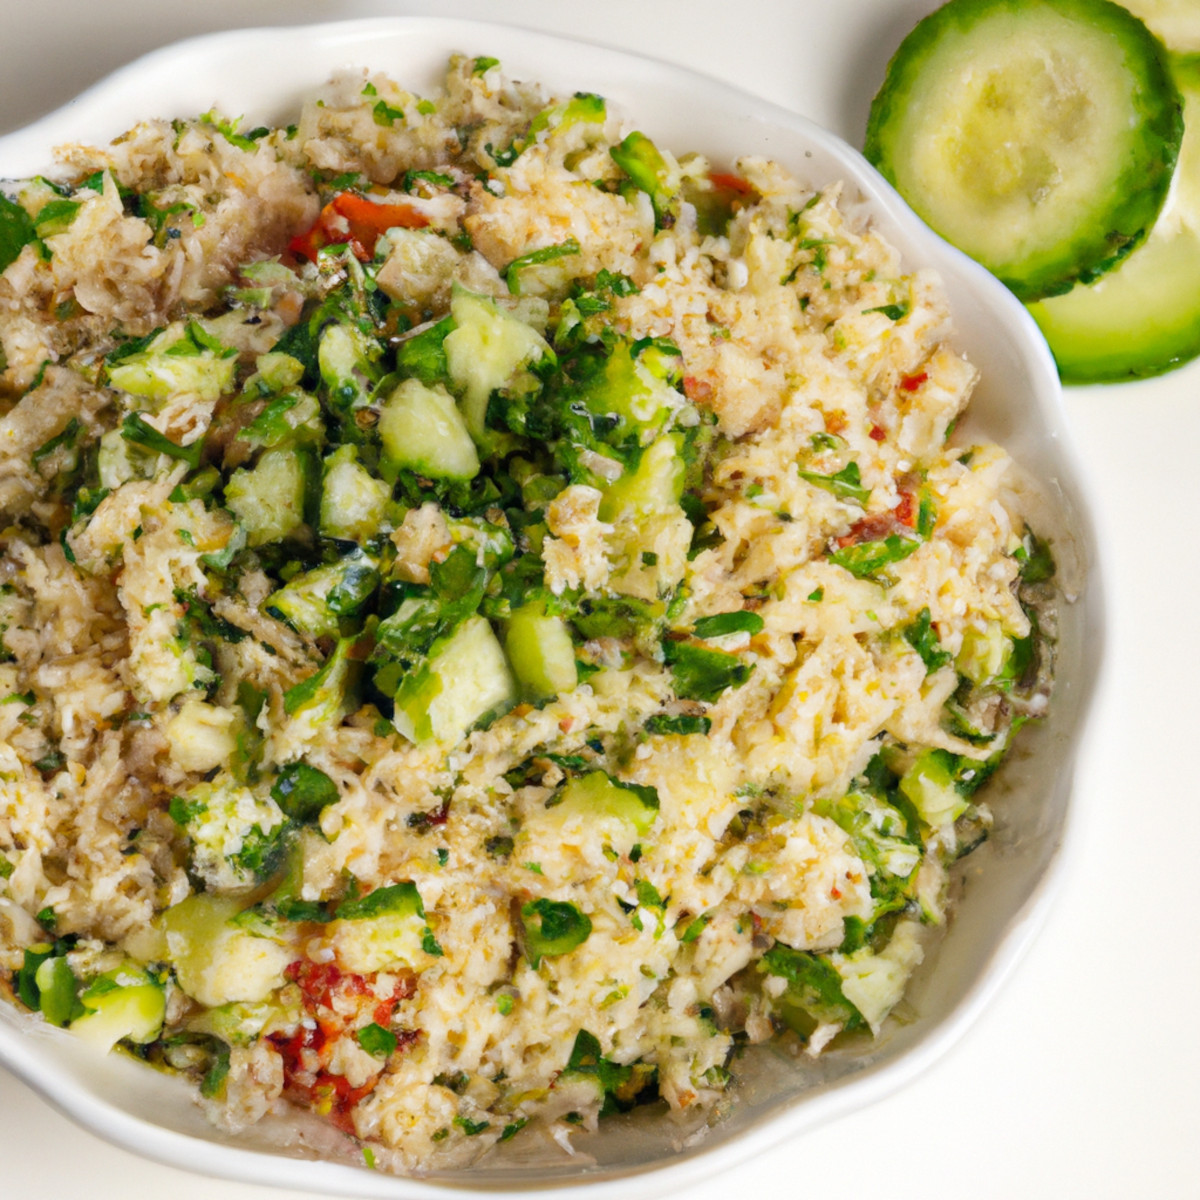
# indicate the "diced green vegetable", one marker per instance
pixel 465 679
pixel 655 486
pixel 16 230
pixel 865 559
pixel 423 355
pixel 235 833
pixel 182 360
pixel 598 794
pixel 874 982
pixel 56 217
pixel 627 388
pixel 486 350
pixel 353 501
pixel 383 929
pixel 302 791
pixel 922 637
pixel 929 785
pixel 588 1062
pixel 984 653
pixel 535 258
pixel 541 652
pixel 56 986
pixel 723 624
pixel 269 498
pixel 683 725
pixel 346 358
pixel 291 419
pixel 701 673
pixel 217 961
pixel 139 431
pixel 126 1004
pixel 814 990
pixel 422 430
pixel 325 696
pixel 650 172
pixel 551 928
pixel 846 484
pixel 318 601
pixel 376 1040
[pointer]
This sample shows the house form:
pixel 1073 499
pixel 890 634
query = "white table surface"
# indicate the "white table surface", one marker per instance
pixel 1083 1077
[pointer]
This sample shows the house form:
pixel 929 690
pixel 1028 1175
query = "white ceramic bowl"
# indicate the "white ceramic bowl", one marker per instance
pixel 263 74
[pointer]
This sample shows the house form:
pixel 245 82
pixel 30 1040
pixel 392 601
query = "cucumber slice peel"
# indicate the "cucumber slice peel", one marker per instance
pixel 1039 136
pixel 1143 318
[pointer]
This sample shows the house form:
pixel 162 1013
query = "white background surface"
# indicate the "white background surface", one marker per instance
pixel 1083 1078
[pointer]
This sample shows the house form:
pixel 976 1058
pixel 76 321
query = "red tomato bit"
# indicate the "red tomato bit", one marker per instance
pixel 353 220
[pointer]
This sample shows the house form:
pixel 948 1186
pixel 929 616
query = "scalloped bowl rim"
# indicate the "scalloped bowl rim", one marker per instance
pixel 189 77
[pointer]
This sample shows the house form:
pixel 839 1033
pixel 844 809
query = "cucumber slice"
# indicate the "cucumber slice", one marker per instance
pixel 1177 22
pixel 1039 136
pixel 1144 317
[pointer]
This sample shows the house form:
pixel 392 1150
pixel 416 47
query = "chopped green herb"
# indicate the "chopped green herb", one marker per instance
pixel 136 429
pixel 846 484
pixel 865 559
pixel 894 312
pixel 701 673
pixel 376 1040
pixel 923 638
pixel 661 723
pixel 469 1127
pixel 386 115
pixel 723 624
pixel 552 928
pixel 512 273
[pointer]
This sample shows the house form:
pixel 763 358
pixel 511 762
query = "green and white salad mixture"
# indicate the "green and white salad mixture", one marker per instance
pixel 492 619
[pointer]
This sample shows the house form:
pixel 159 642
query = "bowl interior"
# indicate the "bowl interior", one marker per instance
pixel 263 74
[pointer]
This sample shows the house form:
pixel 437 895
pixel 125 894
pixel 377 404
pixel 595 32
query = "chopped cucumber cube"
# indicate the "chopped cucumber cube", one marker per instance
pixel 353 501
pixel 598 794
pixel 123 1005
pixel 486 349
pixel 316 601
pixel 465 678
pixel 217 962
pixel 346 359
pixel 656 486
pixel 541 652
pixel 384 929
pixel 56 989
pixel 874 983
pixel 929 785
pixel 422 430
pixel 268 499
pixel 984 653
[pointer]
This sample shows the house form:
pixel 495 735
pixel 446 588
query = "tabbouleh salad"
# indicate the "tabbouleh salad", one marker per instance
pixel 492 620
